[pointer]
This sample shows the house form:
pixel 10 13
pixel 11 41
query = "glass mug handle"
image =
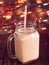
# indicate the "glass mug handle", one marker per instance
pixel 9 47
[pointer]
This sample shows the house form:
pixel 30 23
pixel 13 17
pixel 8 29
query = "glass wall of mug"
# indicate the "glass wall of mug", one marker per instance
pixel 26 42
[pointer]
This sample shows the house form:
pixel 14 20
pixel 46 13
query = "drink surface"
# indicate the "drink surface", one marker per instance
pixel 26 30
pixel 26 44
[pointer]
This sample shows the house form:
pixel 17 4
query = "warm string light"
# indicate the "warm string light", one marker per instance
pixel 1 2
pixel 39 1
pixel 21 1
pixel 20 12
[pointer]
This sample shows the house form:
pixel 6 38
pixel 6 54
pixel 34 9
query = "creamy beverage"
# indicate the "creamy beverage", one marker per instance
pixel 26 41
pixel 26 44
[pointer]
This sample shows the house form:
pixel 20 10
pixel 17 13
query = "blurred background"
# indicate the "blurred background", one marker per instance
pixel 12 12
